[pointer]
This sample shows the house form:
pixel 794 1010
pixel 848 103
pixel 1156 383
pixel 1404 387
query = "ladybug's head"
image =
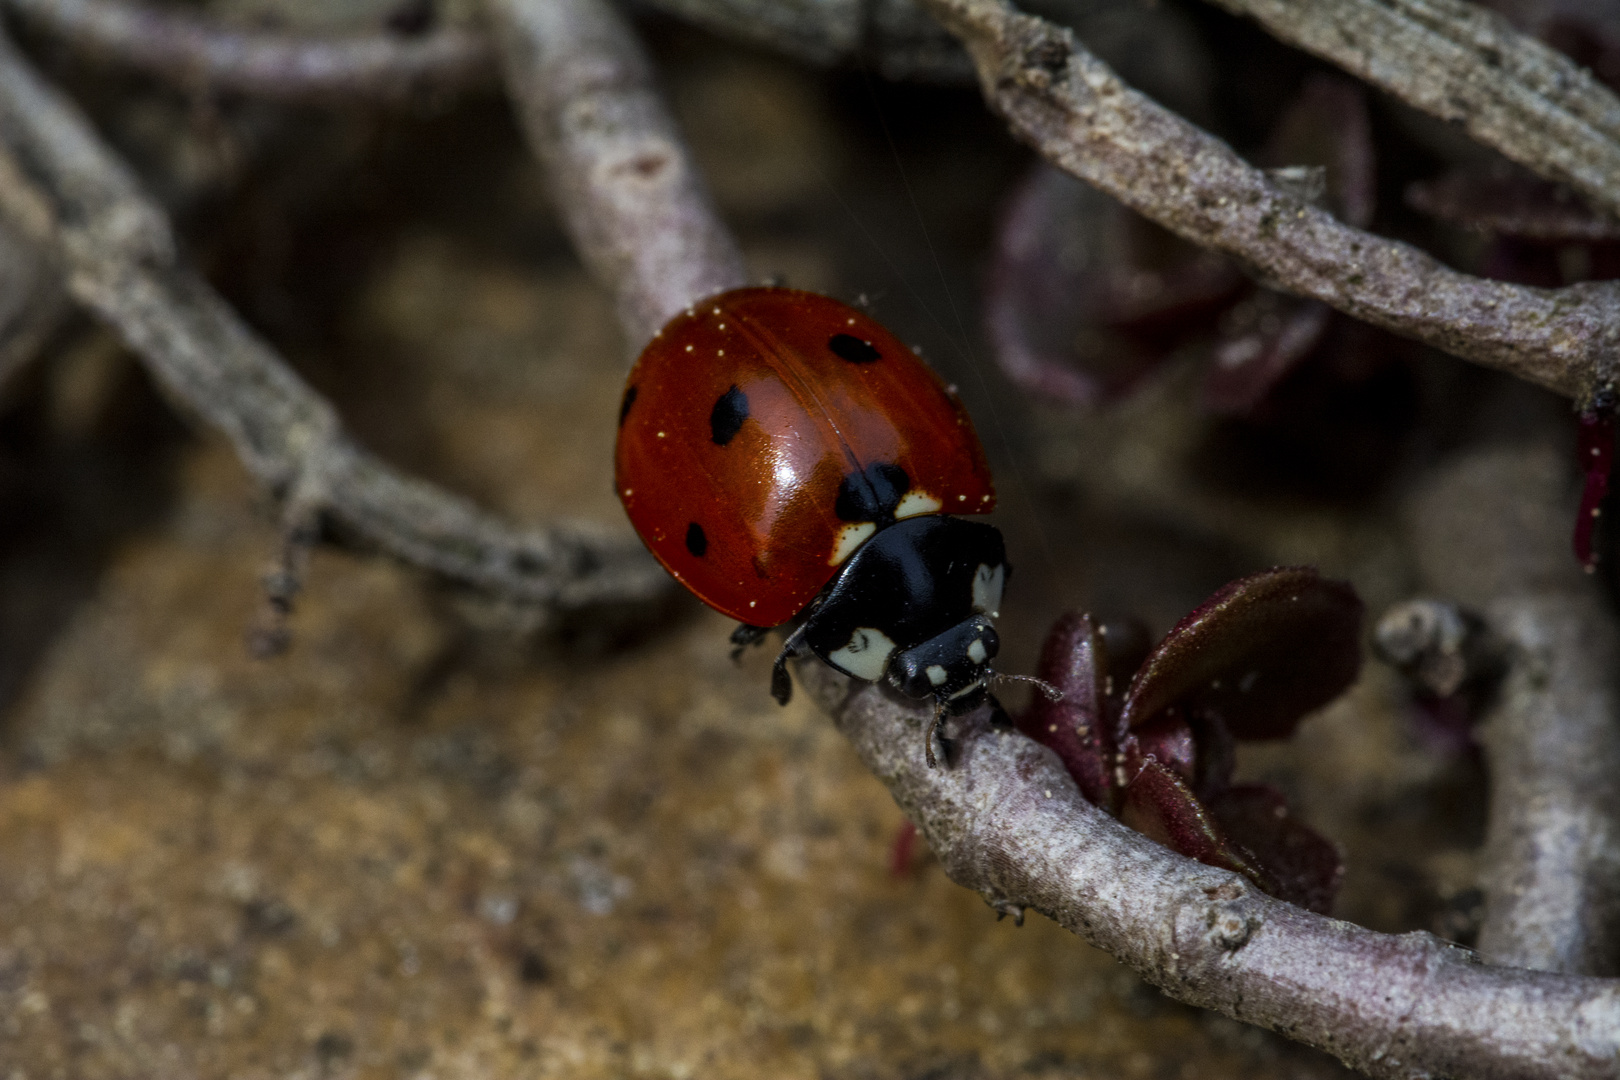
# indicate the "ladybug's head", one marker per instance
pixel 948 667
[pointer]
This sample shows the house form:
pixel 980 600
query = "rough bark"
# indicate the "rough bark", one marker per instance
pixel 1076 112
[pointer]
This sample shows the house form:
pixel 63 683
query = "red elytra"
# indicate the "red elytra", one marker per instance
pixel 742 418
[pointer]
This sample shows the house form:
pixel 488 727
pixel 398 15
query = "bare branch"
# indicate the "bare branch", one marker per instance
pixel 1006 821
pixel 64 188
pixel 1077 113
pixel 195 52
pixel 1463 63
pixel 629 194
pixel 1552 740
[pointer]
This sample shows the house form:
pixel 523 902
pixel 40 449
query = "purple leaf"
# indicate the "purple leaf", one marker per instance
pixel 1259 654
pixel 1304 867
pixel 1511 201
pixel 1085 297
pixel 1262 339
pixel 1168 739
pixel 1161 807
pixel 1079 727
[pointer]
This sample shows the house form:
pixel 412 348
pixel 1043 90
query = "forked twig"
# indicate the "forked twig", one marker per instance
pixel 64 188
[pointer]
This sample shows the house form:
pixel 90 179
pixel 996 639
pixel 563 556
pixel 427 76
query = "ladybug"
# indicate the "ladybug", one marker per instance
pixel 786 458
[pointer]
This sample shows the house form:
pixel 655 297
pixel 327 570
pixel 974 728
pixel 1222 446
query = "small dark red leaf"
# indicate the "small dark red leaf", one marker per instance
pixel 903 849
pixel 1259 654
pixel 1169 740
pixel 1078 727
pixel 1304 866
pixel 1159 806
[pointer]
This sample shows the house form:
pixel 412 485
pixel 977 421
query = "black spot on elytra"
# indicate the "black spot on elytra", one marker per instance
pixel 696 542
pixel 872 494
pixel 629 400
pixel 853 349
pixel 727 416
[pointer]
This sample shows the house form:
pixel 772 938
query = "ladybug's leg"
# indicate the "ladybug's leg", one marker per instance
pixel 940 712
pixel 745 636
pixel 998 715
pixel 781 681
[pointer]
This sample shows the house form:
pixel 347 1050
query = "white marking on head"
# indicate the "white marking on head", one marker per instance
pixel 936 674
pixel 976 651
pixel 987 585
pixel 850 537
pixel 866 656
pixel 915 504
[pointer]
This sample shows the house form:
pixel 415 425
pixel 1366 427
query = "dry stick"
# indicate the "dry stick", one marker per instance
pixel 63 187
pixel 1007 821
pixel 194 52
pixel 630 196
pixel 1069 106
pixel 1465 64
pixel 1490 532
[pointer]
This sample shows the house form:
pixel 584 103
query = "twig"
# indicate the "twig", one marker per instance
pixel 64 188
pixel 1465 64
pixel 1076 112
pixel 629 194
pixel 1489 531
pixel 1006 820
pixel 1438 646
pixel 193 52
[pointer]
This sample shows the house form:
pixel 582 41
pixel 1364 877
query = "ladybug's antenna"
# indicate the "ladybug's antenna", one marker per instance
pixel 1052 693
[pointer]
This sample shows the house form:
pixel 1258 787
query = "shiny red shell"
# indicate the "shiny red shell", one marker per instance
pixel 741 420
